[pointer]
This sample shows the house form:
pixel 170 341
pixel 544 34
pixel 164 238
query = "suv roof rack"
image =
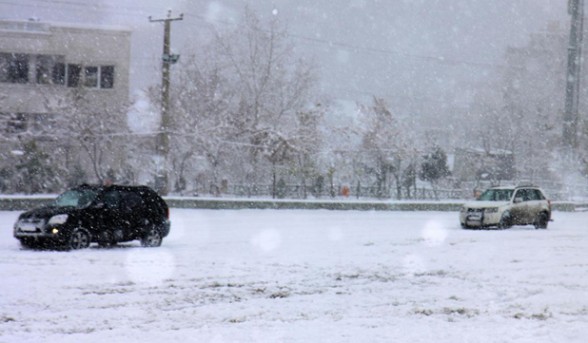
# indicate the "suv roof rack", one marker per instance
pixel 525 184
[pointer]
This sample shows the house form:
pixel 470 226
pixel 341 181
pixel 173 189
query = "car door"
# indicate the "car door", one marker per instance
pixel 132 209
pixel 111 217
pixel 534 205
pixel 519 207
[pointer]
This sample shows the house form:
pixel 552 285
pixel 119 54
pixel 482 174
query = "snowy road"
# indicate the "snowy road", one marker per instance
pixel 305 276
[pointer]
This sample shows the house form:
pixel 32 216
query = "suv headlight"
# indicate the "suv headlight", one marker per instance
pixel 491 210
pixel 58 219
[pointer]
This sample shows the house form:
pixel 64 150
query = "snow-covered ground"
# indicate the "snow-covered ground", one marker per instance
pixel 305 276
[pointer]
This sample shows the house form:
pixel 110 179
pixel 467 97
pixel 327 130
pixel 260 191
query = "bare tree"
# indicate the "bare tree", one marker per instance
pixel 308 142
pixel 82 129
pixel 240 100
pixel 271 86
pixel 203 119
pixel 387 148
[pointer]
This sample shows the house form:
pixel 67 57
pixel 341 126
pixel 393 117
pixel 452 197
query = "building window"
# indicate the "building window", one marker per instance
pixel 99 77
pixel 106 76
pixel 91 77
pixel 50 70
pixel 17 123
pixel 13 122
pixel 43 68
pixel 73 75
pixel 59 74
pixel 4 65
pixel 14 68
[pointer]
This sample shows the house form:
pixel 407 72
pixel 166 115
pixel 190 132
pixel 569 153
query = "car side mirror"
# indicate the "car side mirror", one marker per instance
pixel 518 200
pixel 99 205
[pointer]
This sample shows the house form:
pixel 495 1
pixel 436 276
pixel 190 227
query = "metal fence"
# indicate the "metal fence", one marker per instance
pixel 294 191
pixel 304 192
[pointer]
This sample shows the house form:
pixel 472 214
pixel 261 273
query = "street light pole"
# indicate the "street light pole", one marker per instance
pixel 162 142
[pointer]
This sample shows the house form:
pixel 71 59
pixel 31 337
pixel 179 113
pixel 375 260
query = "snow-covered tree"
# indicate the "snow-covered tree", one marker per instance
pixel 202 118
pixel 88 136
pixel 434 167
pixel 386 147
pixel 237 104
pixel 35 173
pixel 270 84
pixel 308 140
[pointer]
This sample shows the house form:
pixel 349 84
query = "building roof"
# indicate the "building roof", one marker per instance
pixel 37 26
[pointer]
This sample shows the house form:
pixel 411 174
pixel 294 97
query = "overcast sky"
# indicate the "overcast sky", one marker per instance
pixel 432 50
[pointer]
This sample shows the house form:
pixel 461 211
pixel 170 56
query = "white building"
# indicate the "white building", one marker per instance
pixel 41 61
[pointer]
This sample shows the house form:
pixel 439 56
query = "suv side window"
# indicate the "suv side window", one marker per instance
pixel 131 202
pixel 535 194
pixel 523 194
pixel 541 195
pixel 112 199
pixel 153 203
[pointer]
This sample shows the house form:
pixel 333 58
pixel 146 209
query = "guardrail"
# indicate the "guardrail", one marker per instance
pixel 24 203
pixel 312 205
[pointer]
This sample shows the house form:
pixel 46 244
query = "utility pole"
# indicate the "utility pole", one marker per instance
pixel 162 141
pixel 570 117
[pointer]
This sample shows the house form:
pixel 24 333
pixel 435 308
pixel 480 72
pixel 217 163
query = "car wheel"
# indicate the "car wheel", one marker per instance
pixel 152 238
pixel 79 239
pixel 505 221
pixel 541 221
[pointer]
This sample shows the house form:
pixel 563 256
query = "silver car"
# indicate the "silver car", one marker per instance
pixel 504 207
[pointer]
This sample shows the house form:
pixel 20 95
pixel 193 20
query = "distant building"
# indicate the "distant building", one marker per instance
pixel 40 61
pixel 480 165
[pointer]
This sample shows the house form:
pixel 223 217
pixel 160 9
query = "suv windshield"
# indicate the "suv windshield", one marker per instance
pixel 496 195
pixel 76 198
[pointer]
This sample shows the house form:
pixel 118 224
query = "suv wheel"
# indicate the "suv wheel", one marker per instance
pixel 152 238
pixel 505 221
pixel 541 221
pixel 79 239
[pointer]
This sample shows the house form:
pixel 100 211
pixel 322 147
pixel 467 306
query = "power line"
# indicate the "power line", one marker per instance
pixel 356 48
pixel 176 134
pixel 437 59
pixel 140 11
pixel 329 43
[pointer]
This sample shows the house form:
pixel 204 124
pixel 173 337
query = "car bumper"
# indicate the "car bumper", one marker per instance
pixel 165 228
pixel 479 219
pixel 44 233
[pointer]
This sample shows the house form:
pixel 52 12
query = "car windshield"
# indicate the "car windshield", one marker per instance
pixel 496 195
pixel 76 198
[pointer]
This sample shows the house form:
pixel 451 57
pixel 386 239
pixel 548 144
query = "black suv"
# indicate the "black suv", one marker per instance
pixel 102 214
